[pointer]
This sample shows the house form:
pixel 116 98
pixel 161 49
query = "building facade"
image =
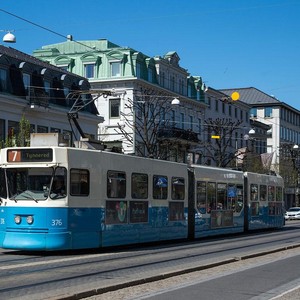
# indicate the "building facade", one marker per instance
pixel 138 83
pixel 143 86
pixel 283 137
pixel 37 91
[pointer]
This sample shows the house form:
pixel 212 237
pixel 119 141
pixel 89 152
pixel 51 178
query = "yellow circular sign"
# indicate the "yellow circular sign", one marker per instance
pixel 235 96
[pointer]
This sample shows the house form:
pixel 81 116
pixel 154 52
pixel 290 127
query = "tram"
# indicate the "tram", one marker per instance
pixel 60 198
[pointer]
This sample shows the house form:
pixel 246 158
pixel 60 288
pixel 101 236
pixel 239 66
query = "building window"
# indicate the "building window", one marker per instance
pixel 216 105
pixel 190 91
pixel 268 112
pixel 89 70
pixel 2 130
pixel 57 130
pixel 114 106
pixel 209 102
pixel 63 67
pixel 200 125
pixel 42 129
pixel 173 118
pixel 115 69
pixel 182 87
pixel 172 83
pixel 26 82
pixel 150 75
pixel 229 110
pixel 191 122
pixel 162 79
pixel 162 115
pixel 253 113
pixel 182 120
pixel 3 80
pixel 47 86
pixel 138 70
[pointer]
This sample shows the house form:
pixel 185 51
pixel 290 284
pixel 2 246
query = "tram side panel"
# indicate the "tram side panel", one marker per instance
pixel 219 203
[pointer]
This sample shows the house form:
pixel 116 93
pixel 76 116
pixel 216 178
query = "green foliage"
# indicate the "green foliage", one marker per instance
pixel 23 138
pixel 19 139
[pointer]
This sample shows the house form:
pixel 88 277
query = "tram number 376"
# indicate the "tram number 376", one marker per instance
pixel 56 222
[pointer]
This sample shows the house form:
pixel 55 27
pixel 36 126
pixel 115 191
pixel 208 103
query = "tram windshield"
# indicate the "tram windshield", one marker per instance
pixel 36 183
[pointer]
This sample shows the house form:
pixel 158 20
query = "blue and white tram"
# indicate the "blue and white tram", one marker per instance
pixel 58 198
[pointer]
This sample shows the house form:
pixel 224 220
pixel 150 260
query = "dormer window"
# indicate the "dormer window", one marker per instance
pixel 89 70
pixel 3 80
pixel 150 75
pixel 138 70
pixel 26 82
pixel 63 67
pixel 115 67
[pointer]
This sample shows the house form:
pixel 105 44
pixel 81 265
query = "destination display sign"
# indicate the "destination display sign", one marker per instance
pixel 30 155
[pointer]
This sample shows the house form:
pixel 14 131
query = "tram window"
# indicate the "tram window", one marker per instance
pixel 3 193
pixel 271 193
pixel 279 193
pixel 221 196
pixel 201 196
pixel 139 186
pixel 80 182
pixel 231 196
pixel 211 196
pixel 254 192
pixel 238 206
pixel 160 187
pixel 59 186
pixel 116 184
pixel 176 211
pixel 263 192
pixel 29 183
pixel 178 188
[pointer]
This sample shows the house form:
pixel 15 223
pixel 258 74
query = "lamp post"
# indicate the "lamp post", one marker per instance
pixel 295 158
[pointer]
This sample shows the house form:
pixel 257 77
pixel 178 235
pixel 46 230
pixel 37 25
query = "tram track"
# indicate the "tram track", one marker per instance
pixel 101 272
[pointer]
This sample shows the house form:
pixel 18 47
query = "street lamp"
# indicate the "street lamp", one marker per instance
pixel 9 37
pixel 175 101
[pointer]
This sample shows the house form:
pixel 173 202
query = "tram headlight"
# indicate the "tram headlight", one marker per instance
pixel 17 219
pixel 29 220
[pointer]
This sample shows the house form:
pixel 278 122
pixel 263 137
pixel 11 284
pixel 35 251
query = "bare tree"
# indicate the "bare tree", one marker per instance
pixel 142 119
pixel 219 149
pixel 289 164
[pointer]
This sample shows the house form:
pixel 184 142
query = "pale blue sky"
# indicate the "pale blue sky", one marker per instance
pixel 230 44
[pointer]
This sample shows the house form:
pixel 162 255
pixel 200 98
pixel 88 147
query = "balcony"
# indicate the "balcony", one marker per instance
pixel 174 133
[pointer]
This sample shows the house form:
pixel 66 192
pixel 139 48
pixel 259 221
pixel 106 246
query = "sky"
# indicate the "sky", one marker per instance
pixel 229 43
